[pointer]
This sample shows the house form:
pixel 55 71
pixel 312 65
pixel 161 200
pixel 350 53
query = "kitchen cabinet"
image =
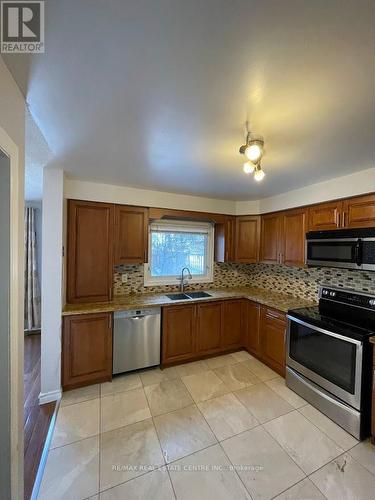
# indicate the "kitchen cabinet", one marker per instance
pixel 270 238
pixel 232 315
pixel 86 349
pixel 252 328
pixel 131 234
pixel 293 237
pixel 359 211
pixel 283 238
pixel 325 216
pixel 89 251
pixel 178 342
pixel 224 240
pixel 272 332
pixel 208 328
pixel 247 239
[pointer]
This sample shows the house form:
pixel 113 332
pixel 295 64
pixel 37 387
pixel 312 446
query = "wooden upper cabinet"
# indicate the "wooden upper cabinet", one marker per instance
pixel 293 238
pixel 247 239
pixel 86 349
pixel 272 332
pixel 252 324
pixel 232 313
pixel 270 238
pixel 224 240
pixel 89 251
pixel 325 216
pixel 208 327
pixel 360 211
pixel 178 332
pixel 131 235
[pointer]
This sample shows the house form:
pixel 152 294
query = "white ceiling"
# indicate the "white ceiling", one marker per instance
pixel 155 94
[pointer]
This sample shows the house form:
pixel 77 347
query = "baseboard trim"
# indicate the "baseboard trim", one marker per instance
pixel 48 397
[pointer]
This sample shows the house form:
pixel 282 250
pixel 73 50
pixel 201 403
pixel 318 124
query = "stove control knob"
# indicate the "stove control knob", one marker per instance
pixel 371 302
pixel 332 294
pixel 325 292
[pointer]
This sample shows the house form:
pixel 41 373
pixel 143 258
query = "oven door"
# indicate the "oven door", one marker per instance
pixel 330 360
pixel 345 252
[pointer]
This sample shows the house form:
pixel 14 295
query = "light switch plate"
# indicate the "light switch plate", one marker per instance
pixel 124 278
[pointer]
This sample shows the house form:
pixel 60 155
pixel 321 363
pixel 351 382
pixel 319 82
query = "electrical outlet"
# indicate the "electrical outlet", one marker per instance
pixel 124 278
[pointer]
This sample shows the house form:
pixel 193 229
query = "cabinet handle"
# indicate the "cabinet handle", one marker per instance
pixel 343 219
pixel 110 321
pixel 338 219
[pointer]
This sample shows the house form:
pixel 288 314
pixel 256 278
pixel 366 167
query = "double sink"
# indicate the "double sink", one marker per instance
pixel 188 296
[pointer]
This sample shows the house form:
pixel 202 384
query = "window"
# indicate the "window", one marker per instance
pixel 174 245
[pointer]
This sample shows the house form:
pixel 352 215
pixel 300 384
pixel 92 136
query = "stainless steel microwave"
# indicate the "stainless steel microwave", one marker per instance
pixel 347 248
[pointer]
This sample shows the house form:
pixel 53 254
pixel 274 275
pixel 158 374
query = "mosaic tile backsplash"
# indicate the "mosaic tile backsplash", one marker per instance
pixel 298 282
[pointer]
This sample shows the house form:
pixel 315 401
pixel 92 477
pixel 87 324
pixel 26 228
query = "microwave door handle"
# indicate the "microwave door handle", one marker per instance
pixel 358 253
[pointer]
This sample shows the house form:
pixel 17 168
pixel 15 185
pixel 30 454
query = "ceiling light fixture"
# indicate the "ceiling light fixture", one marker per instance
pixel 248 167
pixel 254 151
pixel 259 173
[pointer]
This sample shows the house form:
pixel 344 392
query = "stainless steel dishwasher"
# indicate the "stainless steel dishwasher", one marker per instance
pixel 136 339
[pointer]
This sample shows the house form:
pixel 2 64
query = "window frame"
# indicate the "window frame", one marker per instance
pixel 174 280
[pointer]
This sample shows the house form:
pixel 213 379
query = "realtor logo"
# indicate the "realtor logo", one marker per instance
pixel 22 27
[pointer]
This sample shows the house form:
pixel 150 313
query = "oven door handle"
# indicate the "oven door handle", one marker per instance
pixel 322 330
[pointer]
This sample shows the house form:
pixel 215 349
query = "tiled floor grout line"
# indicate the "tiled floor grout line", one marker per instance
pixel 323 432
pixel 161 448
pixel 221 447
pixel 295 484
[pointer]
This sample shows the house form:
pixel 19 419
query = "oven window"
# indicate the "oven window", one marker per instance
pixel 333 251
pixel 331 358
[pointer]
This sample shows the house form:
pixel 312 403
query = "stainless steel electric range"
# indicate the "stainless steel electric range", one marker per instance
pixel 329 356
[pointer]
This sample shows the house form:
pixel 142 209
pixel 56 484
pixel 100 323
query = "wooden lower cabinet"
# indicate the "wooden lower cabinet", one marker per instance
pixel 86 349
pixel 178 341
pixel 252 327
pixel 208 328
pixel 272 334
pixel 192 331
pixel 232 323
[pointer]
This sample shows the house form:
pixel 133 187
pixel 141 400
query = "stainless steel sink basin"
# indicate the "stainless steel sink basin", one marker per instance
pixel 177 296
pixel 198 295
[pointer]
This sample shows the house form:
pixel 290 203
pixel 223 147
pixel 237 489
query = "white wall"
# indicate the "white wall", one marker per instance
pixel 83 190
pixel 52 278
pixel 12 139
pixel 341 187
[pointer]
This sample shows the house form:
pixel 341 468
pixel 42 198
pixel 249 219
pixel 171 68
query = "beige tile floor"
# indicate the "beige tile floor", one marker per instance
pixel 224 428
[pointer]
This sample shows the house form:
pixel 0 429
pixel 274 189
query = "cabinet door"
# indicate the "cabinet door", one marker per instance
pixel 89 256
pixel 208 327
pixel 325 216
pixel 178 332
pixel 360 211
pixel 86 349
pixel 232 323
pixel 294 238
pixel 131 234
pixel 273 325
pixel 224 240
pixel 252 335
pixel 247 239
pixel 270 239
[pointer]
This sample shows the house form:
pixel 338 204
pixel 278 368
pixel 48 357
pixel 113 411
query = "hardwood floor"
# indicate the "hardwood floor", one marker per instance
pixel 36 418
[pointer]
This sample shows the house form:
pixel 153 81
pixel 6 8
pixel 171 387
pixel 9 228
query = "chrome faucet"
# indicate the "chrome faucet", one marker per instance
pixel 183 281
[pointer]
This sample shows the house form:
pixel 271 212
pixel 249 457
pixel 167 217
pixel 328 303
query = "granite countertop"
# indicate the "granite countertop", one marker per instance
pixel 281 302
